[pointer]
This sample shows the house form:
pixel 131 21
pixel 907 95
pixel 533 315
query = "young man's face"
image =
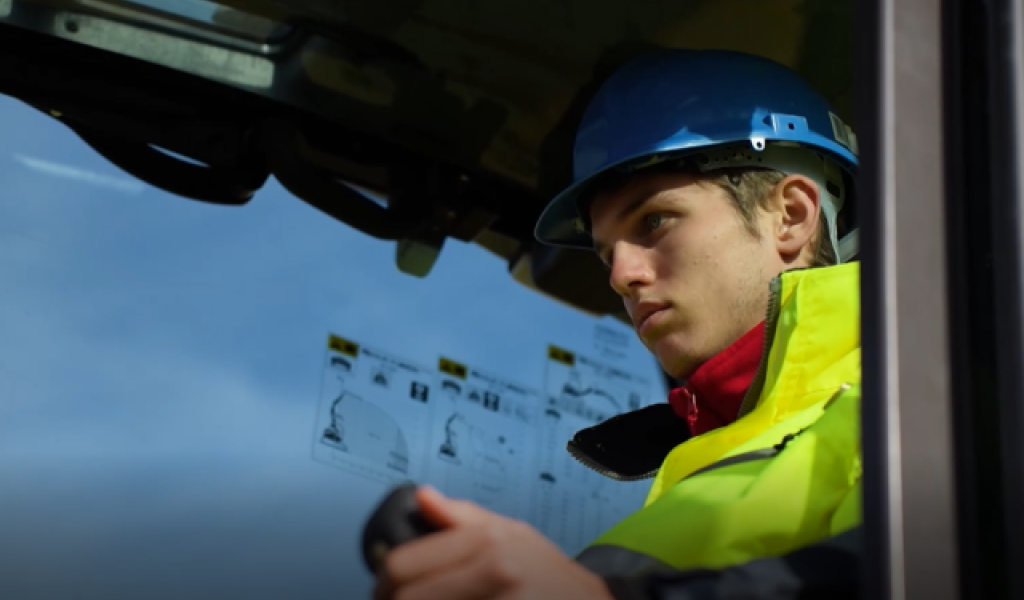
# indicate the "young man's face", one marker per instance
pixel 692 276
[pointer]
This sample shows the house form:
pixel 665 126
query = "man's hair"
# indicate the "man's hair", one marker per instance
pixel 749 189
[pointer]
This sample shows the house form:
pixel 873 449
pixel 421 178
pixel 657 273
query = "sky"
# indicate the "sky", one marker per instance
pixel 196 9
pixel 161 370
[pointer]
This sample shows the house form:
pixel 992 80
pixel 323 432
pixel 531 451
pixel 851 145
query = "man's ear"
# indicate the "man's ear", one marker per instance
pixel 795 202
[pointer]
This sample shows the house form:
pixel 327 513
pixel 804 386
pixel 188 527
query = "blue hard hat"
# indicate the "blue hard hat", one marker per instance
pixel 729 108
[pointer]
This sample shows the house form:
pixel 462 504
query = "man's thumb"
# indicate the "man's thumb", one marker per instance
pixel 435 507
pixel 446 512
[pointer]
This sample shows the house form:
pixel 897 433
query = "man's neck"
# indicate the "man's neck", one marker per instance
pixel 712 396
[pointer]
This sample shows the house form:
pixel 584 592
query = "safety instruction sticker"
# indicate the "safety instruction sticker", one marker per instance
pixel 482 437
pixel 590 389
pixel 573 504
pixel 371 412
pixel 479 436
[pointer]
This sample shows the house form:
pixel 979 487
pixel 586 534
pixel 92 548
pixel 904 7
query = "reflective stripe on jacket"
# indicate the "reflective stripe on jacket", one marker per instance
pixel 786 474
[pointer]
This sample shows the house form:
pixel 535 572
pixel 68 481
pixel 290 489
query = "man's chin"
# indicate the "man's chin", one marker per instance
pixel 679 373
pixel 674 360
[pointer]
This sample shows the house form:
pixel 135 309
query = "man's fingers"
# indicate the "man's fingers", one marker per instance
pixel 469 581
pixel 434 507
pixel 446 513
pixel 467 533
pixel 435 552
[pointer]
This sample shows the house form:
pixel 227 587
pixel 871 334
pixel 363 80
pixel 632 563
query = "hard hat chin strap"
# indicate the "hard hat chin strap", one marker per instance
pixel 849 246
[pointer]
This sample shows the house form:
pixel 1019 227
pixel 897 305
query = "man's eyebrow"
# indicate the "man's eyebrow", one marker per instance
pixel 623 214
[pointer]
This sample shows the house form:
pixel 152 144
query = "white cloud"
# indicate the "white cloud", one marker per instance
pixel 129 186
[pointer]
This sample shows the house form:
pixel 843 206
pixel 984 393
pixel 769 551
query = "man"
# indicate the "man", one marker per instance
pixel 711 184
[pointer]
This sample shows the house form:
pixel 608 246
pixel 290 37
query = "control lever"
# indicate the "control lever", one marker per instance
pixel 396 520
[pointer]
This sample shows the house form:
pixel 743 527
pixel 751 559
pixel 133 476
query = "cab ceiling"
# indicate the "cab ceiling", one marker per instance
pixel 500 84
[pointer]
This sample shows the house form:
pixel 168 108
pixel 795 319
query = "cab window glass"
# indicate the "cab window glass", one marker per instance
pixel 198 12
pixel 204 401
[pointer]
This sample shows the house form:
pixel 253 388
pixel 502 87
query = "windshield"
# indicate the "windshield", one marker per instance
pixel 197 12
pixel 204 401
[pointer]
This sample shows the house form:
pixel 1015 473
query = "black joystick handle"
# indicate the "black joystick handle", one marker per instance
pixel 396 521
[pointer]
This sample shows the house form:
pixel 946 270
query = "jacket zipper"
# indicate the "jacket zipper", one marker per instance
pixel 735 460
pixel 745 457
pixel 750 456
pixel 771 323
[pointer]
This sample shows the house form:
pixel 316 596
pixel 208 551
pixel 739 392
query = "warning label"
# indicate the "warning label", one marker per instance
pixel 571 503
pixel 477 435
pixel 371 410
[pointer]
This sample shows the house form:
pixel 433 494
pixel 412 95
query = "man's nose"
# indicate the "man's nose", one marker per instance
pixel 630 269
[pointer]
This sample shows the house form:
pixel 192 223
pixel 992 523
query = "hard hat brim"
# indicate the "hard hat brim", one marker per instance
pixel 560 222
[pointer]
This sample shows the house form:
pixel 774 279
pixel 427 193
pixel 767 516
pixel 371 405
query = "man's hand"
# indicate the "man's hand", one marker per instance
pixel 480 555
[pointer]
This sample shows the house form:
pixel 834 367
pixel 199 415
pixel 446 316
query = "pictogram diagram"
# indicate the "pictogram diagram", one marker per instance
pixel 371 413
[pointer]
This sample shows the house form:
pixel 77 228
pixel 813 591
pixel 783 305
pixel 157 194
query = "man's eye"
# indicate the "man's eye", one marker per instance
pixel 653 221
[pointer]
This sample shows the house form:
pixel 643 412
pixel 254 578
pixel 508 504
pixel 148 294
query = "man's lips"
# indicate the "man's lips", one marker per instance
pixel 645 314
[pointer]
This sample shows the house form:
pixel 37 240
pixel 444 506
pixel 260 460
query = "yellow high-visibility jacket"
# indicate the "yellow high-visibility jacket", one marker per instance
pixel 770 502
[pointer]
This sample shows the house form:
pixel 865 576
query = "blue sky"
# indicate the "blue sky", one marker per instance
pixel 196 9
pixel 162 363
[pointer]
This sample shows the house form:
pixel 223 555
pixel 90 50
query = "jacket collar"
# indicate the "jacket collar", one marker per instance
pixel 712 396
pixel 812 325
